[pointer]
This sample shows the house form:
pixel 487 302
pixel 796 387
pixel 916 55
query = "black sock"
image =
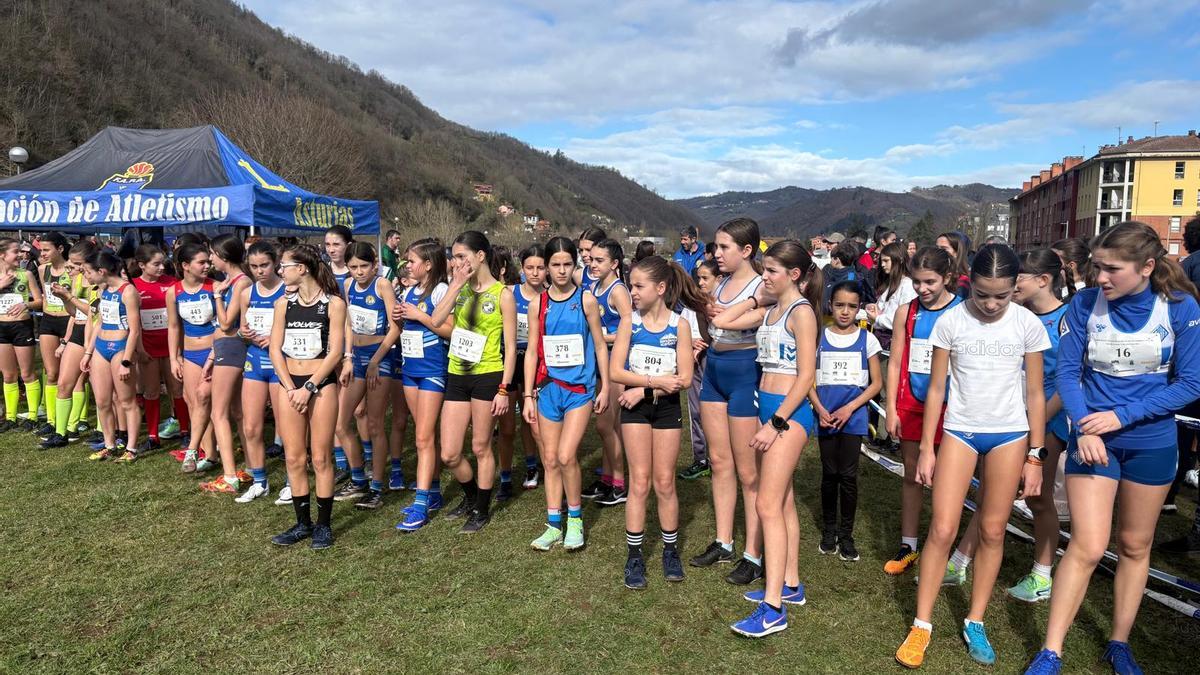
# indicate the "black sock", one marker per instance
pixel 777 609
pixel 483 500
pixel 469 490
pixel 633 540
pixel 670 539
pixel 303 512
pixel 324 510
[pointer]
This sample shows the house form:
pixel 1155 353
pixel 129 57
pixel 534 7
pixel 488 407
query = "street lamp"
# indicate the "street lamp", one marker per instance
pixel 18 155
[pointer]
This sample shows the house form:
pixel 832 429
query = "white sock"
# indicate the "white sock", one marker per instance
pixel 917 623
pixel 1042 571
pixel 960 560
pixel 727 547
pixel 911 541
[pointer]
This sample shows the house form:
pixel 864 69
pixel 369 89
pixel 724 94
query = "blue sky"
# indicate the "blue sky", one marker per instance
pixel 703 96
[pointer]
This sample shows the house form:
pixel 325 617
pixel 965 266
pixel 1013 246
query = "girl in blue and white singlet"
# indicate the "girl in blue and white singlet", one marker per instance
pixel 110 360
pixel 583 275
pixel 425 356
pixel 1129 358
pixel 191 324
pixel 532 270
pixel 260 383
pixel 612 299
pixel 653 358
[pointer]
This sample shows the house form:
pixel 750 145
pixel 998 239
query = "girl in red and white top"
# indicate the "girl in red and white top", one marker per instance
pixel 153 355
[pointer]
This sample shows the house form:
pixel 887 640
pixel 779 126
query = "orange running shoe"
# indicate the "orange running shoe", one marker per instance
pixel 179 454
pixel 911 653
pixel 219 484
pixel 244 477
pixel 904 561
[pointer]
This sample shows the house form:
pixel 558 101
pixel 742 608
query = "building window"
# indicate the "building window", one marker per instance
pixel 1180 168
pixel 1177 198
pixel 1173 249
pixel 1197 197
pixel 1175 223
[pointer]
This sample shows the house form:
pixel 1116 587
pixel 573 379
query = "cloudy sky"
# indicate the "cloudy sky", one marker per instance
pixel 702 96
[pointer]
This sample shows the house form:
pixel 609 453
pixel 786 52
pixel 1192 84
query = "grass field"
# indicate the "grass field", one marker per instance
pixel 109 568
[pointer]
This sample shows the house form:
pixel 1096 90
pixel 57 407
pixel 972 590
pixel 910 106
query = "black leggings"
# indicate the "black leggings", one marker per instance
pixel 839 481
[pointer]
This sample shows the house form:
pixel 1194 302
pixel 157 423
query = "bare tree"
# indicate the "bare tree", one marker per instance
pixel 419 218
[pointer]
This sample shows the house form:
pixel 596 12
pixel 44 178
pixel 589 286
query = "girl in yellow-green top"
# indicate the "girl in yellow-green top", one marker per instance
pixel 18 295
pixel 483 351
pixel 56 317
pixel 76 296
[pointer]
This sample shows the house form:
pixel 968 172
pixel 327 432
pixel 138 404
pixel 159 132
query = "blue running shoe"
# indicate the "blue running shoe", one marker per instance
pixel 977 643
pixel 97 445
pixel 792 595
pixel 635 573
pixel 1121 659
pixel 1045 663
pixel 396 481
pixel 436 502
pixel 762 622
pixel 413 519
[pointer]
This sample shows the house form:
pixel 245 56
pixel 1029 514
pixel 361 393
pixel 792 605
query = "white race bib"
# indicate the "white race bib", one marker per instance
pixel 841 368
pixel 260 320
pixel 154 319
pixel 9 300
pixel 302 343
pixel 363 320
pixel 466 345
pixel 412 344
pixel 767 346
pixel 563 351
pixel 920 356
pixel 196 312
pixel 110 312
pixel 651 361
pixel 522 327
pixel 53 302
pixel 1125 354
pixel 80 315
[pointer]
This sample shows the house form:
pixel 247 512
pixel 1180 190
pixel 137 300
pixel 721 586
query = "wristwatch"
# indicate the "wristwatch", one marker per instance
pixel 127 363
pixel 1038 454
pixel 310 387
pixel 779 424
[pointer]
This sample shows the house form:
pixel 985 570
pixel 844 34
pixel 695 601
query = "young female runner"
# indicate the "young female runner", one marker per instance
pixel 109 357
pixel 191 324
pixel 52 329
pixel 77 298
pixel 848 376
pixel 583 276
pixel 533 270
pixel 154 364
pixel 653 357
pixel 728 408
pixel 1075 256
pixel 570 353
pixel 483 350
pixel 987 345
pixel 893 289
pixel 424 351
pixel 786 351
pixel 337 240
pixel 370 301
pixel 706 281
pixel 612 297
pixel 306 354
pixel 908 382
pixel 229 360
pixel 18 295
pixel 957 245
pixel 260 383
pixel 1128 360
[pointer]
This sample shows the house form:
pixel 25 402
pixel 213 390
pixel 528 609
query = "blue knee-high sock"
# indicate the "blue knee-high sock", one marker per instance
pixel 368 451
pixel 530 462
pixel 260 476
pixel 358 475
pixel 339 458
pixel 421 502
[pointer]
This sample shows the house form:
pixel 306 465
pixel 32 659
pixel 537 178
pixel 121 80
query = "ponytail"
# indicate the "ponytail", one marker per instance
pixel 321 273
pixel 793 255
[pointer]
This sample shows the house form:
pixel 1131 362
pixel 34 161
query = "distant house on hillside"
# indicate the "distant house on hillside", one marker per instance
pixel 530 219
pixel 505 210
pixel 483 192
pixel 542 225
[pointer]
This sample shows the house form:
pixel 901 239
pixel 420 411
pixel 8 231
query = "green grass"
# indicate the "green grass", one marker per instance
pixel 109 568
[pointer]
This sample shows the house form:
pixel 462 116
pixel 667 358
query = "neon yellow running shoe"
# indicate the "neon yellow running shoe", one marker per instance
pixel 574 538
pixel 549 538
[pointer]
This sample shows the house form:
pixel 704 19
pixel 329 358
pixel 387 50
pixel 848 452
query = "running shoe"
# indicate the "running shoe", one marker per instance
pixel 744 572
pixel 127 457
pixel 285 496
pixel 549 538
pixel 532 477
pixel 72 436
pixel 1187 544
pixel 573 541
pixel 1192 477
pixel 1045 663
pixel 762 622
pixel 695 470
pixel 96 436
pixel 28 425
pixel 7 425
pixel 189 462
pixel 594 490
pixel 55 441
pixel 350 492
pixel 412 519
pixel 244 476
pixel 45 430
pixel 153 444
pixel 219 484
pixel 179 454
pixel 82 428
pixel 1120 658
pixel 204 465
pixel 828 545
pixel 253 492
pixel 274 450
pixel 614 496
pixel 185 440
pixel 978 646
pixel 635 573
pixel 436 502
pixel 341 476
pixel 505 492
pixel 952 577
pixel 373 500
pixel 464 507
pixel 911 653
pixel 1031 588
pixel 714 554
pixel 1169 508
pixel 96 443
pixel 102 454
pixel 476 521
pixel 169 429
pixel 396 481
pixel 297 533
pixel 322 537
pixel 792 595
pixel 671 564
pixel 904 559
pixel 846 549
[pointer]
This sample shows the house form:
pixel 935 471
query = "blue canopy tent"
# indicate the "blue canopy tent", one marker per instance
pixel 178 179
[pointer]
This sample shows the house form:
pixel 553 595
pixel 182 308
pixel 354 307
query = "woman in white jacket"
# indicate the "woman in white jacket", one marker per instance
pixel 893 288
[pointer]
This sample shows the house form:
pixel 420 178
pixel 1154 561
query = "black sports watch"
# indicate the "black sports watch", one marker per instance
pixel 1038 453
pixel 127 363
pixel 779 424
pixel 310 387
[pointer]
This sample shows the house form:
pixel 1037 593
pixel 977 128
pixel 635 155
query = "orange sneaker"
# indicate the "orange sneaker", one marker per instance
pixel 911 653
pixel 219 484
pixel 244 477
pixel 904 560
